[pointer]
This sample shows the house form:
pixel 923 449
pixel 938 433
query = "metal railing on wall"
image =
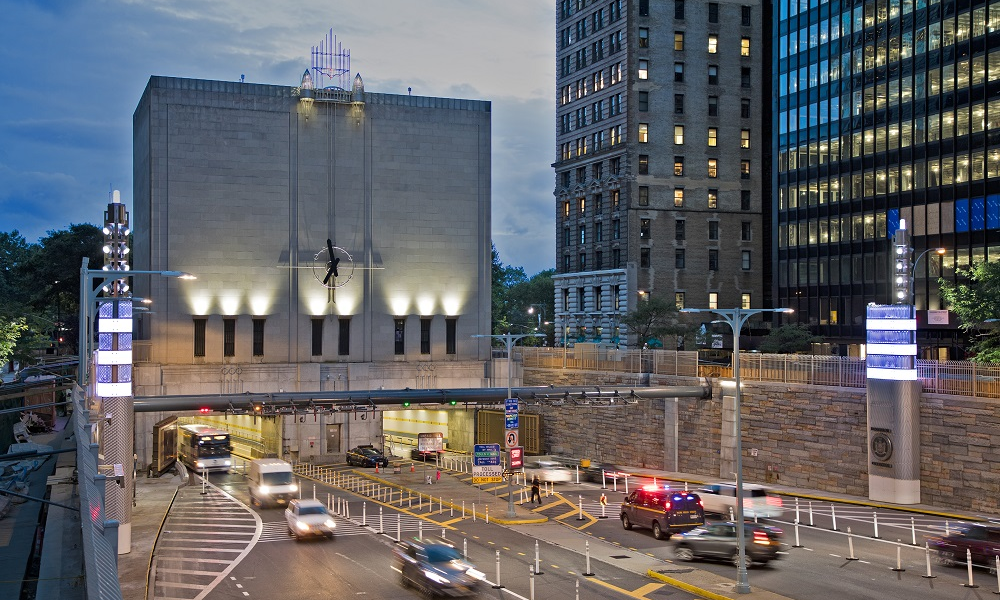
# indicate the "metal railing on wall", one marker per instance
pixel 100 535
pixel 957 378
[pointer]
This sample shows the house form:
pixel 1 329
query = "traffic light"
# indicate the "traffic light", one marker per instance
pixel 406 403
pixel 453 402
pixel 204 410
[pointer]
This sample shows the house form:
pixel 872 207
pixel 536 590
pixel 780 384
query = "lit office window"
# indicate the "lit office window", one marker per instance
pixel 713 44
pixel 679 135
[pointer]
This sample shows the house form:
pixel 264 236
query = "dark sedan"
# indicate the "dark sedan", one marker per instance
pixel 719 541
pixel 367 456
pixel 436 568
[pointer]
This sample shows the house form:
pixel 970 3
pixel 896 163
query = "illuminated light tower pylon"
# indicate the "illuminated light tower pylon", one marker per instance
pixel 331 61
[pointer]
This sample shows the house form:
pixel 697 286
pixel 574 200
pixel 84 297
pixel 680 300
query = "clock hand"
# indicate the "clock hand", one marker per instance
pixel 332 270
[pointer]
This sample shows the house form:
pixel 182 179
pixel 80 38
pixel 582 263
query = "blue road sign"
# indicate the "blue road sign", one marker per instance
pixel 510 413
pixel 486 455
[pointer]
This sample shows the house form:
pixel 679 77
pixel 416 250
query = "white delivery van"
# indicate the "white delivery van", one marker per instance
pixel 271 481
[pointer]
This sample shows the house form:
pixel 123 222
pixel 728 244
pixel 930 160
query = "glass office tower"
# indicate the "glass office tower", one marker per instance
pixel 885 110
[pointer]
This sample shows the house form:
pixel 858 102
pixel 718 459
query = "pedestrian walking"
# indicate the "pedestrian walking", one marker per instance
pixel 535 485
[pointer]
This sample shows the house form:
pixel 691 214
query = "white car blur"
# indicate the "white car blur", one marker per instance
pixel 307 517
pixel 758 502
pixel 547 471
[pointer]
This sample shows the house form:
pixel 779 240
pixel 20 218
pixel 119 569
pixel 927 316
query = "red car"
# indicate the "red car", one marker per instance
pixel 982 539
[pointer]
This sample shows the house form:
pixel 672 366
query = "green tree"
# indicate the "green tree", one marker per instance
pixel 789 339
pixel 654 319
pixel 977 303
pixel 10 332
pixel 525 298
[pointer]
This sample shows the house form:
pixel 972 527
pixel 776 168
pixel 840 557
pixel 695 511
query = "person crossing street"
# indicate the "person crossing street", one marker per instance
pixel 535 484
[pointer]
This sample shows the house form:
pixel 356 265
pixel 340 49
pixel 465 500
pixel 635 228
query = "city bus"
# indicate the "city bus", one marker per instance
pixel 202 447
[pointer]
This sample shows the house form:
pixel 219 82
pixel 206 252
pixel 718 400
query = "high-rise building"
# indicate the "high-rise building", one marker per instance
pixel 660 163
pixel 886 112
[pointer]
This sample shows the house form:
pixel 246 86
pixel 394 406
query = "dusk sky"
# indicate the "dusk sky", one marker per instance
pixel 73 72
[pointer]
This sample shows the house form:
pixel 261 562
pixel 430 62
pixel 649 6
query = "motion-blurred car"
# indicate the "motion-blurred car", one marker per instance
pixel 436 568
pixel 366 456
pixel 661 509
pixel 982 539
pixel 719 541
pixel 548 471
pixel 416 454
pixel 758 502
pixel 308 518
pixel 598 472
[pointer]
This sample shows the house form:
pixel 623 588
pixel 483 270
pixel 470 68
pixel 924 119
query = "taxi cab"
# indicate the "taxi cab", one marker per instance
pixel 662 510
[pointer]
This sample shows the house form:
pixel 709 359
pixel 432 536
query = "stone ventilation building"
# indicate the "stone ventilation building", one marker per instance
pixel 244 184
pixel 660 160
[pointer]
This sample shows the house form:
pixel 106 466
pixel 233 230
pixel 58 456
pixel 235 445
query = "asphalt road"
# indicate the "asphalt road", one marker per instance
pixel 359 562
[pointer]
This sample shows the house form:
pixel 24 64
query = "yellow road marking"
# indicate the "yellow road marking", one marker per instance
pixel 636 593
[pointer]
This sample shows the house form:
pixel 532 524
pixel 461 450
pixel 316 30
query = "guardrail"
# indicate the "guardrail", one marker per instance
pixel 100 535
pixel 957 378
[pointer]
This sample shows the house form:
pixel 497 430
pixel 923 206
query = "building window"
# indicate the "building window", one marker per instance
pixel 644 258
pixel 616 258
pixel 745 46
pixel 713 230
pixel 745 139
pixel 678 104
pixel 643 8
pixel 615 198
pixel 598 260
pixel 745 301
pixel 744 199
pixel 678 9
pixel 583 261
pixel 615 165
pixel 745 16
pixel 679 72
pixel 449 335
pixel 679 135
pixel 598 232
pixel 643 164
pixel 713 168
pixel 678 197
pixel 678 166
pixel 643 133
pixel 713 44
pixel 744 169
pixel 713 75
pixel 644 229
pixel 199 336
pixel 679 258
pixel 643 68
pixel 567 263
pixel 582 203
pixel 713 260
pixel 425 336
pixel 229 337
pixel 745 77
pixel 317 337
pixel 713 12
pixel 744 108
pixel 566 208
pixel 713 106
pixel 679 41
pixel 713 136
pixel 567 237
pixel 616 229
pixel 644 37
pixel 643 195
pixel 399 336
pixel 258 337
pixel 679 300
pixel 745 260
pixel 583 234
pixel 745 231
pixel 713 299
pixel 713 198
pixel 643 101
pixel 679 230
pixel 344 336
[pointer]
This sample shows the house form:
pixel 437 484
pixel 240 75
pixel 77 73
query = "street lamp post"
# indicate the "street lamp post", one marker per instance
pixel 736 318
pixel 913 273
pixel 509 339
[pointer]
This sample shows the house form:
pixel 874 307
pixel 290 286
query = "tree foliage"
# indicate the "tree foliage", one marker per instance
pixel 977 303
pixel 654 319
pixel 788 339
pixel 514 293
pixel 10 331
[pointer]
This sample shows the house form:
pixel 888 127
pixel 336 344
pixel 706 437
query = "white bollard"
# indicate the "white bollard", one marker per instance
pixel 899 561
pixel 797 520
pixel 580 517
pixel 538 565
pixel 578 474
pixel 463 509
pixel 531 583
pixel 440 505
pixel 810 513
pixel 927 557
pixel 875 521
pixel 465 548
pixel 420 530
pixel 614 481
pixel 364 514
pixel 626 493
pixel 399 528
pixel 833 515
pixel 473 512
pixel 997 569
pixel 850 544
pixel 314 491
pixel 604 481
pixel 380 528
pixel 497 586
pixel 347 509
pixel 947 530
pixel 732 517
pixel 443 536
pixel 797 544
pixel 488 516
pixel 588 572
pixel 913 532
pixel 451 508
pixel 968 563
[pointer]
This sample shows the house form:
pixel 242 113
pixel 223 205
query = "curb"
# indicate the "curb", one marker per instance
pixel 687 587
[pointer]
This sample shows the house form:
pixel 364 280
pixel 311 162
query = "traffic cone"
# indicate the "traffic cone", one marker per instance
pixel 376 468
pixel 412 469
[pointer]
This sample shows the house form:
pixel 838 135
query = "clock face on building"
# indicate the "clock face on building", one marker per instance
pixel 333 266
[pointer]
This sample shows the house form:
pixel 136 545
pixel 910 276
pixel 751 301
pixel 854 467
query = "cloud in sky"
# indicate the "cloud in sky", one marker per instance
pixel 74 72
